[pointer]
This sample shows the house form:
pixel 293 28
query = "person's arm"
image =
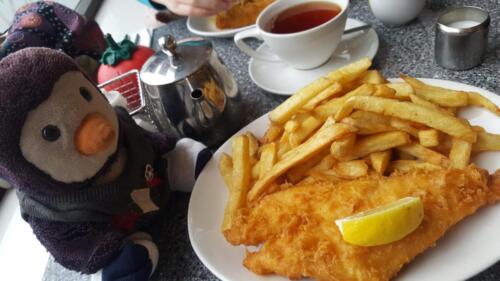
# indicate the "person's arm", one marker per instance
pixel 153 5
pixel 195 8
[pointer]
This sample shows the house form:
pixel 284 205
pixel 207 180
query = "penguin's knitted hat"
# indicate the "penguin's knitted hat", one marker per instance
pixel 26 80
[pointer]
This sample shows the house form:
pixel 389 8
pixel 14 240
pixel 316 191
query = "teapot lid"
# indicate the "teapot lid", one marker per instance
pixel 176 60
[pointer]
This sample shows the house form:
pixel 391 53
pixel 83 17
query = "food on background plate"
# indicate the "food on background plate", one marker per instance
pixel 243 13
pixel 349 143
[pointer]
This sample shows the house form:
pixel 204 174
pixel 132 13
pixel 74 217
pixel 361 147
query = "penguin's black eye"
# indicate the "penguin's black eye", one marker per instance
pixel 51 133
pixel 85 94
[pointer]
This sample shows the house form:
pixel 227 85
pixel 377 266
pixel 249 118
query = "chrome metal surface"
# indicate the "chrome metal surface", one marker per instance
pixel 187 88
pixel 460 47
pixel 176 60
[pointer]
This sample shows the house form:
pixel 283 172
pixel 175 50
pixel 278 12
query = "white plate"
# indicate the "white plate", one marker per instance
pixel 279 78
pixel 205 26
pixel 464 251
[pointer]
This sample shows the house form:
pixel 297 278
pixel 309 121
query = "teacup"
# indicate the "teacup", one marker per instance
pixel 302 50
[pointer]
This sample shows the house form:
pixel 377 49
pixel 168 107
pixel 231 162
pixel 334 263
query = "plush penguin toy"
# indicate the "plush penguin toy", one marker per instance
pixel 86 175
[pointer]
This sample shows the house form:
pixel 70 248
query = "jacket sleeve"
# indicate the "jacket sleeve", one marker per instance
pixel 185 163
pixel 82 247
pixel 162 143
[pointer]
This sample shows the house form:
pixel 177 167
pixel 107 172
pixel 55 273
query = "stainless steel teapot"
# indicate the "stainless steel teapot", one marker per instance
pixel 187 90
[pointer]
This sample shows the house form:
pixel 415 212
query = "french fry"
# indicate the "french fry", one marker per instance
pixel 347 73
pixel 330 91
pixel 226 169
pixel 437 95
pixel 478 129
pixel 425 154
pixel 369 123
pixel 253 144
pixel 486 142
pixel 292 126
pixel 403 90
pixel 284 145
pixel 429 138
pixel 401 155
pixel 343 146
pixel 376 143
pixel 409 111
pixel 350 72
pixel 256 171
pixel 267 158
pixel 408 165
pixel 350 169
pixel 451 110
pixel 325 164
pixel 478 100
pixel 380 160
pixel 460 153
pixel 321 139
pixel 308 180
pixel 328 175
pixel 299 172
pixel 331 107
pixel 273 133
pixel 418 100
pixel 404 126
pixel 240 180
pixel 444 145
pixel 372 77
pixel 384 92
pixel 307 127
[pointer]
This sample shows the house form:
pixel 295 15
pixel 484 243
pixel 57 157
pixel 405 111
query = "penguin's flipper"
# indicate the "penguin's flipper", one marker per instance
pixel 85 247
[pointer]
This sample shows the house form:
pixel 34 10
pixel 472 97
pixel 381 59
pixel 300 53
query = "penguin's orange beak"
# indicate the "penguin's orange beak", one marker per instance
pixel 94 135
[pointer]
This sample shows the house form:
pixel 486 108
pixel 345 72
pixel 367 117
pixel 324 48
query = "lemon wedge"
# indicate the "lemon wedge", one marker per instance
pixel 384 224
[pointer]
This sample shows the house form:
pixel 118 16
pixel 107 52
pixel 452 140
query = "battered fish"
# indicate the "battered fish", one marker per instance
pixel 242 14
pixel 299 238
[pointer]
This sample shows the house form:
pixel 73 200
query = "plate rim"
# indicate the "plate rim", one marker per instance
pixel 217 34
pixel 220 150
pixel 251 61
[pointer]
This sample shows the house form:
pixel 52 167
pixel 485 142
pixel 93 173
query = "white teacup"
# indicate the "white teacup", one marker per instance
pixel 302 50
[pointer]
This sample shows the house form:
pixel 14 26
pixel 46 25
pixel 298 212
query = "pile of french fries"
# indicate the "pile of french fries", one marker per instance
pixel 349 124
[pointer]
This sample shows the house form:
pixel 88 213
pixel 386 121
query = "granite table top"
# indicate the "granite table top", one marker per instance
pixel 407 49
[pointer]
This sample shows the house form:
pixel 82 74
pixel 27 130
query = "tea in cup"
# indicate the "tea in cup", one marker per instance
pixel 302 33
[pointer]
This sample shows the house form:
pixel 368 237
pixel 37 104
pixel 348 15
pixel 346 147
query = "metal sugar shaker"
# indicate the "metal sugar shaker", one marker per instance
pixel 187 89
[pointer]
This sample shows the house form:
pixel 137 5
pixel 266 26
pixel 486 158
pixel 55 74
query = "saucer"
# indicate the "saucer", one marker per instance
pixel 281 79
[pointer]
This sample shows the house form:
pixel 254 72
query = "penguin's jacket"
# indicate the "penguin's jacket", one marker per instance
pixel 85 173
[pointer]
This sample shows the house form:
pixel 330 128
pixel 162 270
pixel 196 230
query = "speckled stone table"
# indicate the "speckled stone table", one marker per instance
pixel 407 49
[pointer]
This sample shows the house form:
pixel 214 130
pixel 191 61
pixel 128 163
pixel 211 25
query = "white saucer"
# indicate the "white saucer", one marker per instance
pixel 279 78
pixel 205 26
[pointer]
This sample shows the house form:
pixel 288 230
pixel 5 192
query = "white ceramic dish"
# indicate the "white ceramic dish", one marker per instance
pixel 280 78
pixel 205 26
pixel 464 251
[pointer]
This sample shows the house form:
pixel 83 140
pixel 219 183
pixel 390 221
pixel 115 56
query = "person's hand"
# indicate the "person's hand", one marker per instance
pixel 195 7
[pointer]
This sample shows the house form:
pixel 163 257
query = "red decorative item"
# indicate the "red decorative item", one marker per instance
pixel 118 59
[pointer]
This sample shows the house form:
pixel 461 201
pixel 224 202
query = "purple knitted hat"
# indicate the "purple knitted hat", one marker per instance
pixel 52 25
pixel 26 80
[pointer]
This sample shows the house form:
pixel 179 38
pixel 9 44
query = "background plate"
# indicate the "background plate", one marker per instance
pixel 205 26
